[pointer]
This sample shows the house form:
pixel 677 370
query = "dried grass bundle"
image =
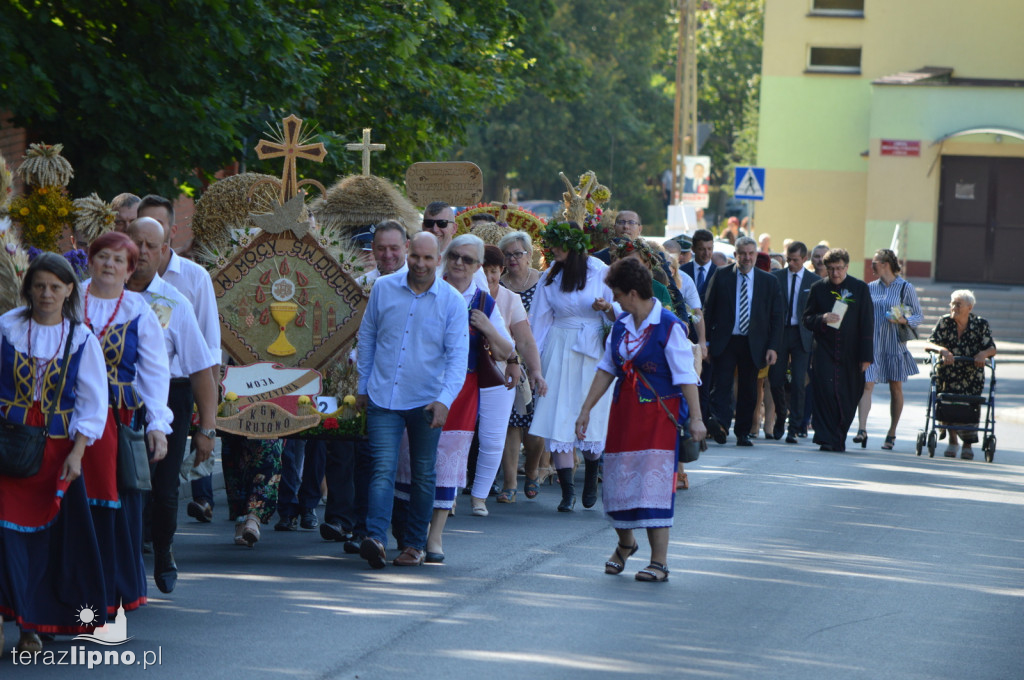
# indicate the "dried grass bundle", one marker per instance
pixel 491 232
pixel 358 201
pixel 226 205
pixel 13 263
pixel 6 185
pixel 45 167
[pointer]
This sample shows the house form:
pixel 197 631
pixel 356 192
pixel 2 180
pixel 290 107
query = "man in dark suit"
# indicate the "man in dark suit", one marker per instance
pixel 700 269
pixel 743 316
pixel 795 350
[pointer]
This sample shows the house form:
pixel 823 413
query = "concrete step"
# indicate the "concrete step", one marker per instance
pixel 1002 306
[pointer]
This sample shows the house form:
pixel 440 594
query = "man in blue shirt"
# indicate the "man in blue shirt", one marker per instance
pixel 413 323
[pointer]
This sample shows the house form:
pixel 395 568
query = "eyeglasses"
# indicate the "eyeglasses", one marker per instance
pixel 438 224
pixel 836 270
pixel 466 259
pixel 627 223
pixel 515 256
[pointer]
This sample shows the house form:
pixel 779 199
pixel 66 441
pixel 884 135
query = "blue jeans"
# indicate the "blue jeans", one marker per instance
pixel 385 428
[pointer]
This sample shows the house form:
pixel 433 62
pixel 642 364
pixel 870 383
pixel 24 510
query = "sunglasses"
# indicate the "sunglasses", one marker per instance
pixel 439 224
pixel 466 259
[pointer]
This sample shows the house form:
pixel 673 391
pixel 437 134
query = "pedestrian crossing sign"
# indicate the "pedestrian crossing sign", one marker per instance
pixel 749 183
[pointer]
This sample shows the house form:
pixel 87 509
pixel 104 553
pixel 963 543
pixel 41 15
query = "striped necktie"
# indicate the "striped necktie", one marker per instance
pixel 744 306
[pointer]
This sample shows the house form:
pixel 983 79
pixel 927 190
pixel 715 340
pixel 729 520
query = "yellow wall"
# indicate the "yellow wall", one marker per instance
pixel 813 127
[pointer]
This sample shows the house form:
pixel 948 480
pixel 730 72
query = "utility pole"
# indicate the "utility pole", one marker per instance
pixel 684 124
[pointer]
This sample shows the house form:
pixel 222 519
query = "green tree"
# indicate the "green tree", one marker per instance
pixel 144 94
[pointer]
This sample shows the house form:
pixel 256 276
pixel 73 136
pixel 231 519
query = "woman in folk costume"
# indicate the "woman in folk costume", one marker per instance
pixel 51 573
pixel 136 361
pixel 570 309
pixel 651 355
pixel 463 257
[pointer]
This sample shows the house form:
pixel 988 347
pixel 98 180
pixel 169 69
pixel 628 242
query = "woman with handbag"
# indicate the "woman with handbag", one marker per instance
pixel 463 258
pixel 52 376
pixel 135 353
pixel 650 353
pixel 897 315
pixel 569 313
pixel 516 323
pixel 522 279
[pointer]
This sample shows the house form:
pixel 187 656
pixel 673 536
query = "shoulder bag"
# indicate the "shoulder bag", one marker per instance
pixel 132 457
pixel 22 446
pixel 689 450
pixel 905 331
pixel 487 372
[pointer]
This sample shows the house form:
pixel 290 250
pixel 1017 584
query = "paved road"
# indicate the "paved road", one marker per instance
pixel 786 563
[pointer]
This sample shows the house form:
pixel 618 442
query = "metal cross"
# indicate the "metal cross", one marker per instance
pixel 291 150
pixel 366 148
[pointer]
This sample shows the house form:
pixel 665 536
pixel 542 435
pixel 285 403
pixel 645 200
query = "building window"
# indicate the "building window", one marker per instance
pixel 834 60
pixel 837 8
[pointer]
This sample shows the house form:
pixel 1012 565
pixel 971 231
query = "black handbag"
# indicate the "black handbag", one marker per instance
pixel 132 458
pixel 905 331
pixel 22 446
pixel 487 372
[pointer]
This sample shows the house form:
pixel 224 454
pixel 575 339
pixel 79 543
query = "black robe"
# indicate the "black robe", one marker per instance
pixel 837 358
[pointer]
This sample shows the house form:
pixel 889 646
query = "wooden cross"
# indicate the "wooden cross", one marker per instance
pixel 366 148
pixel 291 150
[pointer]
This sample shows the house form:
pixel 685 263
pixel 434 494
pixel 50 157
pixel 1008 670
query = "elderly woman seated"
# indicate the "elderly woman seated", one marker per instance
pixel 961 334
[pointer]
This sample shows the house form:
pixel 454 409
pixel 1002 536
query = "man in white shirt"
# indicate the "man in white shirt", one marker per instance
pixel 190 363
pixel 194 283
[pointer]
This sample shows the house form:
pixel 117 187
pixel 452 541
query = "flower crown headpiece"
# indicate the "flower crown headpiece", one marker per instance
pixel 563 235
pixel 624 247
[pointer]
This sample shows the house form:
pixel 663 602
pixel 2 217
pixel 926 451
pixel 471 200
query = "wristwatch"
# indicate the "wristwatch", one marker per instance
pixel 211 433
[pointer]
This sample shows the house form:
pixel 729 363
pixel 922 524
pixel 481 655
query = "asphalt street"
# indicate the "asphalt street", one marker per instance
pixel 785 563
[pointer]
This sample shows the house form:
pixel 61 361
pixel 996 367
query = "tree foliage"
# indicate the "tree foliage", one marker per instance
pixel 143 93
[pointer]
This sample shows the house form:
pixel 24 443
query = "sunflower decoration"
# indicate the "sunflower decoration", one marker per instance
pixel 45 209
pixel 93 216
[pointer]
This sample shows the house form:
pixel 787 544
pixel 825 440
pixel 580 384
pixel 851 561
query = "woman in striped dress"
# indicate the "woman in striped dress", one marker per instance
pixel 895 303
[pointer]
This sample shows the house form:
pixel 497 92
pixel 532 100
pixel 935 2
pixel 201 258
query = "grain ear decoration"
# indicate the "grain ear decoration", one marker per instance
pixel 226 205
pixel 6 185
pixel 358 201
pixel 13 263
pixel 45 167
pixel 93 216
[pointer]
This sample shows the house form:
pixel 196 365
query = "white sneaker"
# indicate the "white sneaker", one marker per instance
pixel 951 451
pixel 480 507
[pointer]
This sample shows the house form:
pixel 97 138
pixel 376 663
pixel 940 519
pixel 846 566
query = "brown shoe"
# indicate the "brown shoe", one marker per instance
pixel 410 557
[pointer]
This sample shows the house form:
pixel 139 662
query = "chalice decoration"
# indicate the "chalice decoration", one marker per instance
pixel 283 312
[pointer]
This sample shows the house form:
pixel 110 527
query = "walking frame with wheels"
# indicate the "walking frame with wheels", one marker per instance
pixel 959 412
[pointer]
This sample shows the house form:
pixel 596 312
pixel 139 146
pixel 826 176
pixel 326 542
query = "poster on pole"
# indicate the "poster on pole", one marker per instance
pixel 695 180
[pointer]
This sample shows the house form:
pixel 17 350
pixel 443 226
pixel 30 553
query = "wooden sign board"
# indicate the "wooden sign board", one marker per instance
pixel 286 300
pixel 456 183
pixel 265 420
pixel 265 380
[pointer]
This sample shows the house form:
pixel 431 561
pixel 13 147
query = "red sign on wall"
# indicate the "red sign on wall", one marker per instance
pixel 900 147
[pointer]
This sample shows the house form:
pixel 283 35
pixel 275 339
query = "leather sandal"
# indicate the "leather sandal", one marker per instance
pixel 889 443
pixel 251 531
pixel 507 495
pixel 615 568
pixel 649 576
pixel 683 482
pixel 530 488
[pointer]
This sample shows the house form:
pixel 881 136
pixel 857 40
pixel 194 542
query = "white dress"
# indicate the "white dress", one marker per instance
pixel 569 335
